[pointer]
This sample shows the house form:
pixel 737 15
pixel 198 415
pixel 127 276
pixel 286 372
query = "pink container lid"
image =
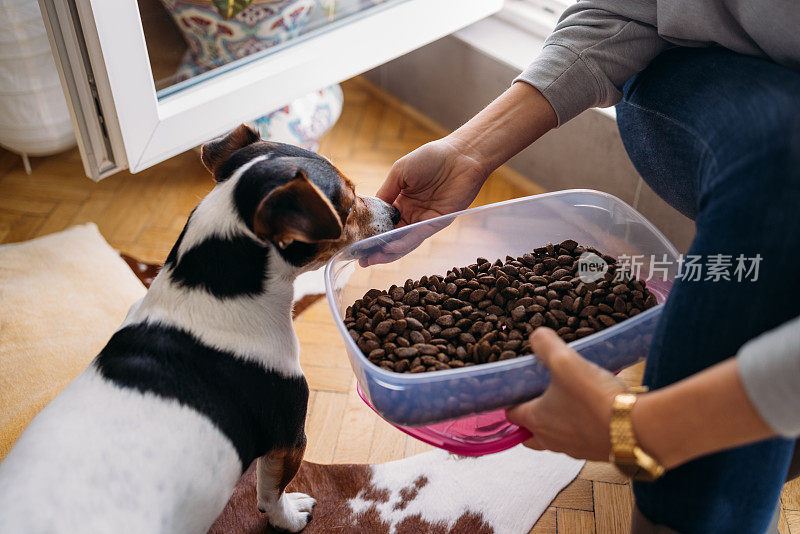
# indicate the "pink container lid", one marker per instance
pixel 474 435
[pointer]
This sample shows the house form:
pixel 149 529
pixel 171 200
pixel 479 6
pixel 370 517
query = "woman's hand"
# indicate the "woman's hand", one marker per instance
pixel 572 416
pixel 445 175
pixel 436 179
pixel 704 413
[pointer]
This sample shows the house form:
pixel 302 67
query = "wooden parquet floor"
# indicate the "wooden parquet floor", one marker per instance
pixel 143 214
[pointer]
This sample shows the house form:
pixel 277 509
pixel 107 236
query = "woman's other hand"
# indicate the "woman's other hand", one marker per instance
pixel 573 414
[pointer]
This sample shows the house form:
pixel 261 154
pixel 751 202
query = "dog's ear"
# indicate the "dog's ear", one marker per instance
pixel 214 153
pixel 296 211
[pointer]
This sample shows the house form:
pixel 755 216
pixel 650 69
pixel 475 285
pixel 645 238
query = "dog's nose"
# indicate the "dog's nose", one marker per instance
pixel 395 214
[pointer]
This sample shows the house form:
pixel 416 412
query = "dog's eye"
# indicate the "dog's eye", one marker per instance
pixel 353 205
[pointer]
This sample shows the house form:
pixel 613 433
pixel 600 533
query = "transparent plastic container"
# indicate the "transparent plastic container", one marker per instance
pixel 459 409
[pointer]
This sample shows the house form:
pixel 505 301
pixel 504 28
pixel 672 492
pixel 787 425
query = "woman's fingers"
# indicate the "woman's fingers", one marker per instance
pixel 390 188
pixel 548 347
pixel 535 444
pixel 516 415
pixel 522 414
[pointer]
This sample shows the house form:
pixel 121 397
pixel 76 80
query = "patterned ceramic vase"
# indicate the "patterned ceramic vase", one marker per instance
pixel 213 41
pixel 304 121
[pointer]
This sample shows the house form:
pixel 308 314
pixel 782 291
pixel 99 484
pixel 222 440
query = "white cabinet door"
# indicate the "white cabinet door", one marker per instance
pixel 128 116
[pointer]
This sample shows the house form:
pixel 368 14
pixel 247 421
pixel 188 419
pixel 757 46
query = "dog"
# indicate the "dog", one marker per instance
pixel 203 376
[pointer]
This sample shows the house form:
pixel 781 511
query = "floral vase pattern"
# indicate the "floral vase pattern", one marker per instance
pixel 213 41
pixel 305 120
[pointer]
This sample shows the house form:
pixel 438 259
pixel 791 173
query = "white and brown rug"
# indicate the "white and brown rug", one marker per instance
pixel 434 492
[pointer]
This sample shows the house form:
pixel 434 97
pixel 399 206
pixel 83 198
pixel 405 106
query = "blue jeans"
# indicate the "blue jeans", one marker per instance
pixel 717 135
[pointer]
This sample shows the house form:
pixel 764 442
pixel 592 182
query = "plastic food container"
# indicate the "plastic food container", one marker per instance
pixel 461 409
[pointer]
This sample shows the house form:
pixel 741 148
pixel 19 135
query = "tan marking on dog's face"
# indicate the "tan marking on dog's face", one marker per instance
pixel 362 217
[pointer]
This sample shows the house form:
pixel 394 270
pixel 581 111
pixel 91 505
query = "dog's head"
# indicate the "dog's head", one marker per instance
pixel 293 198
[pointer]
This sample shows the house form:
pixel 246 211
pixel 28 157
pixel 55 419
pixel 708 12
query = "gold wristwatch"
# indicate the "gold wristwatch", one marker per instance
pixel 626 454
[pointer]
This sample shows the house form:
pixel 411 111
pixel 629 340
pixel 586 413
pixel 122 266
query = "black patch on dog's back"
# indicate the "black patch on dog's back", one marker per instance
pixel 258 410
pixel 229 267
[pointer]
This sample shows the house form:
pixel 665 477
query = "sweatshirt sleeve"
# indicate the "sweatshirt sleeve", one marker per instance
pixel 769 366
pixel 596 47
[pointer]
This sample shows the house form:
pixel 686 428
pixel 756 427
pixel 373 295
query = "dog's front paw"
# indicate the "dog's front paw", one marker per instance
pixel 291 513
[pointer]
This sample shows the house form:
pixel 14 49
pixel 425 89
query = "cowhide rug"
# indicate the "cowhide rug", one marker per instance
pixel 434 492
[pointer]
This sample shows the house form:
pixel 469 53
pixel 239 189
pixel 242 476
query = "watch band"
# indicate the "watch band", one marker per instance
pixel 626 454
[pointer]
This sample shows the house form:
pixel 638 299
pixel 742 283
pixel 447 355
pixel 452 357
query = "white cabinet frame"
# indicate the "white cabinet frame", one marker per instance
pixel 153 129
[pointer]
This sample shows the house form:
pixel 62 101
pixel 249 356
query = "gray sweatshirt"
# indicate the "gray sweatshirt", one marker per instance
pixel 599 44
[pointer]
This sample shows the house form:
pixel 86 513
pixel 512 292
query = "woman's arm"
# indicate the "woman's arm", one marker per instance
pixel 596 47
pixel 705 413
pixel 514 120
pixel 744 399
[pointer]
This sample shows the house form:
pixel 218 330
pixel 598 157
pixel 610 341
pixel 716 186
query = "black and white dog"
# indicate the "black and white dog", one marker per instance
pixel 203 377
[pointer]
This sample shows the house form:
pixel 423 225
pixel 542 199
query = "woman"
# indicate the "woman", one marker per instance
pixel 708 105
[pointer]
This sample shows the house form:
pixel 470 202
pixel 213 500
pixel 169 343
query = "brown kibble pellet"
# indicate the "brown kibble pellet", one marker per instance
pixel 406 352
pixel 561 285
pixel 411 298
pixel 560 273
pixel 413 324
pixel 399 326
pixel 507 355
pixel 583 332
pixel 537 320
pixel 619 289
pixel 606 320
pixel 376 354
pixel 446 320
pixel 518 313
pixel 383 327
pixel 386 301
pixel 397 293
pixel 425 348
pixel 429 360
pixel 448 333
pixel 568 244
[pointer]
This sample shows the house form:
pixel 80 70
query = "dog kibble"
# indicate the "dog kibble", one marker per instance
pixel 484 312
